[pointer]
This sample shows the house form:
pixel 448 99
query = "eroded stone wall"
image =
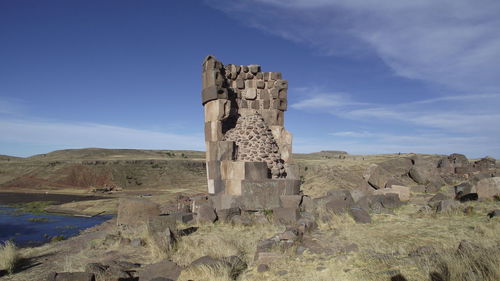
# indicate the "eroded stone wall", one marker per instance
pixel 244 130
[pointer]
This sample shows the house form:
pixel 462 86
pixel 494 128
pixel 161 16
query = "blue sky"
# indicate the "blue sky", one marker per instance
pixel 364 76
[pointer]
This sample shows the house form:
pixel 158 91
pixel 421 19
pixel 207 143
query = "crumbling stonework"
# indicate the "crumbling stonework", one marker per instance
pixel 247 144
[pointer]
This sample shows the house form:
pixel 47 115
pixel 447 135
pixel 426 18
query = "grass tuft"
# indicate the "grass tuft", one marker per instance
pixel 9 257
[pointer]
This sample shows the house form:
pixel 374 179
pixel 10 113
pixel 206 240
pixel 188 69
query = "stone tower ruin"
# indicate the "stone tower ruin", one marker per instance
pixel 249 152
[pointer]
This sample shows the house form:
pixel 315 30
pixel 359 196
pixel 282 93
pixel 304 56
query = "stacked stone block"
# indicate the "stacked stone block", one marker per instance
pixel 248 148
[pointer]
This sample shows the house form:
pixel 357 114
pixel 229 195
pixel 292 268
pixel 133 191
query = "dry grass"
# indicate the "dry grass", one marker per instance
pixel 9 257
pixel 203 272
pixel 222 240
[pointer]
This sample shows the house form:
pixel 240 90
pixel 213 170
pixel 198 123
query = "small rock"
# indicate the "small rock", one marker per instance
pixel 494 213
pixel 282 272
pixel 262 267
pixel 300 250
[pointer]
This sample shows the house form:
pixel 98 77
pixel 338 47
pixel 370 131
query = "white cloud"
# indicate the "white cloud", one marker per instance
pixel 65 134
pixel 450 42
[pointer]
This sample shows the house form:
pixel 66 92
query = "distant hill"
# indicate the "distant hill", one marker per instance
pixel 116 154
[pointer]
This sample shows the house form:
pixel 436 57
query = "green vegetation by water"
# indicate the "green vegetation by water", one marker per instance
pixel 35 207
pixel 39 220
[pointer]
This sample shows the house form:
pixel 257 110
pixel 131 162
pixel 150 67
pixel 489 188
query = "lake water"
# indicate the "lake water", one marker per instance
pixel 27 229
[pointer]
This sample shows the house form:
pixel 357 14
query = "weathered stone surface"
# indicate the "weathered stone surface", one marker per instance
pixel 464 189
pixel 226 215
pixel 205 214
pixel 221 150
pixel 398 166
pixel 240 170
pixel 446 206
pixel 379 177
pixel 485 164
pixel 183 217
pixel 134 212
pixel 217 110
pixel 488 188
pixel 161 231
pixel 403 192
pixel 425 172
pixel 338 206
pixel 359 215
pixel 165 269
pixel 216 186
pixel 290 201
pixel 213 131
pixel 262 195
pixel 286 216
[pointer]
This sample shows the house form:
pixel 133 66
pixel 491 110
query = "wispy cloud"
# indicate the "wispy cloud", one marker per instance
pixel 450 42
pixel 461 123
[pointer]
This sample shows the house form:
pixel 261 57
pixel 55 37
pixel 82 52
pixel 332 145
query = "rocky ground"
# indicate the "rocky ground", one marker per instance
pixel 382 217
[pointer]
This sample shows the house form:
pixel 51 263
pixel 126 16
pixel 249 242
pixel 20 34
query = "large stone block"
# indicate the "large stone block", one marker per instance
pixel 223 201
pixel 213 93
pixel 216 186
pixel 276 75
pixel 292 171
pixel 217 110
pixel 265 194
pixel 254 68
pixel 213 131
pixel 213 170
pixel 239 170
pixel 233 187
pixel 250 93
pixel 221 150
pixel 281 84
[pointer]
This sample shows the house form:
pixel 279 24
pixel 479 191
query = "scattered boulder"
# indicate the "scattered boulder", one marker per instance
pixel 379 177
pixel 392 182
pixel 446 206
pixel 133 212
pixel 485 164
pixel 464 190
pixel 359 215
pixel 164 269
pixel 403 192
pixel 418 188
pixel 425 172
pixel 488 188
pixel 226 215
pixel 205 214
pixel 398 166
pixel 183 217
pixel 162 230
pixel 286 216
pixel 381 203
